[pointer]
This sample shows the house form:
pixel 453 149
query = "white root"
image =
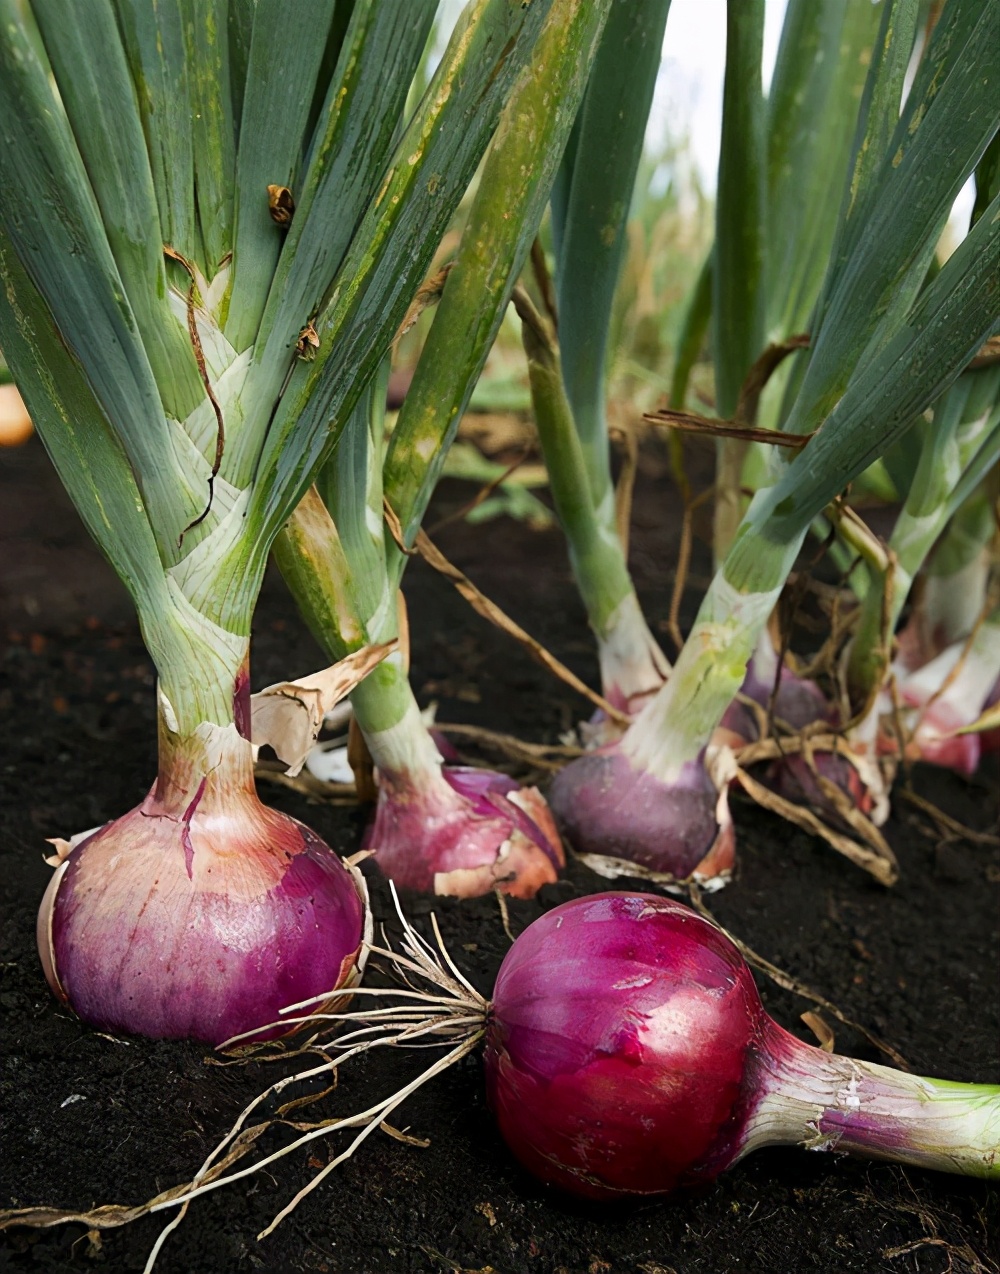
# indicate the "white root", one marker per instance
pixel 452 1011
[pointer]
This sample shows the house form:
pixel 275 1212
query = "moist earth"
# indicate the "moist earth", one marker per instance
pixel 89 1119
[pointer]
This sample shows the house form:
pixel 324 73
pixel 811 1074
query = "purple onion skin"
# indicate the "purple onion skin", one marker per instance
pixel 447 836
pixel 628 1054
pixel 608 807
pixel 201 931
pixel 793 779
pixel 936 743
pixel 798 703
pixel 202 912
pixel 617 1047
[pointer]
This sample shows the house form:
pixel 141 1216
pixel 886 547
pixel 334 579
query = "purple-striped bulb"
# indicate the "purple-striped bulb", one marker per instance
pixel 201 913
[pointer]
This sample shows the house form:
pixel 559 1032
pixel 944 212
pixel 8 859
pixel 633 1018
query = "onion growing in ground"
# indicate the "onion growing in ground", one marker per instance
pixel 568 369
pixel 448 829
pixel 201 913
pixel 632 815
pixel 794 704
pixel 190 352
pixel 437 828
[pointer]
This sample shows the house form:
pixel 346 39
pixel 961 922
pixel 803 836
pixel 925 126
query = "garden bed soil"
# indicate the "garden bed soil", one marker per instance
pixel 89 1119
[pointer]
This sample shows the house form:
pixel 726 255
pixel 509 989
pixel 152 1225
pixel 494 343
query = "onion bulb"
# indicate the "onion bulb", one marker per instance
pixel 624 819
pixel 628 1053
pixel 463 831
pixel 201 913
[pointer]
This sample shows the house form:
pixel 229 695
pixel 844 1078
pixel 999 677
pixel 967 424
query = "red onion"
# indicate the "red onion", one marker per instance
pixel 621 817
pixel 628 1053
pixel 797 703
pixel 462 831
pixel 948 693
pixel 201 913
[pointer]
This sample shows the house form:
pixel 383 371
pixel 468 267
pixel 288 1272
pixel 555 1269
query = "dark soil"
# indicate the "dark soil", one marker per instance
pixel 88 1119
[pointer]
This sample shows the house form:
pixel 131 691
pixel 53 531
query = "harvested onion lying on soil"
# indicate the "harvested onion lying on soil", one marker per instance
pixel 628 1053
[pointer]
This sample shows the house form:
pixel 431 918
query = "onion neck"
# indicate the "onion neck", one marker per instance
pixel 826 1102
pixel 678 724
pixel 952 603
pixel 207 766
pixel 574 442
pixel 632 662
pixel 400 744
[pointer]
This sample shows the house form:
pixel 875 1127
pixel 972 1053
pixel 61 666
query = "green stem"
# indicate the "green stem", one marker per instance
pixel 694 326
pixel 319 576
pixel 513 190
pixel 199 663
pixel 631 661
pixel 595 552
pixel 675 726
pixel 961 441
pixel 314 565
pixel 827 1102
pixel 386 710
pixel 589 213
pixel 968 533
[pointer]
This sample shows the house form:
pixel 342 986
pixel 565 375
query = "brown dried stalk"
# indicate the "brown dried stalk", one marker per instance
pixel 482 605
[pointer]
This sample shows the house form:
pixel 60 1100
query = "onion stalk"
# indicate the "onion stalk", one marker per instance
pixel 954 584
pixel 190 349
pixel 568 372
pixel 447 829
pixel 957 447
pixel 884 348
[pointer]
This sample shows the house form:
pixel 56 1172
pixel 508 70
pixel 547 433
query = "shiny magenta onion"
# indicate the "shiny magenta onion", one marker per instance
pixel 628 1053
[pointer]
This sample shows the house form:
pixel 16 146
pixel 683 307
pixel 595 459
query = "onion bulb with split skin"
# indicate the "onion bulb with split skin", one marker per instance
pixel 454 829
pixel 201 913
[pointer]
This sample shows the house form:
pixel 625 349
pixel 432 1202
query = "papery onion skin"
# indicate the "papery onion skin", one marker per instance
pixel 463 832
pixel 628 1054
pixel 610 808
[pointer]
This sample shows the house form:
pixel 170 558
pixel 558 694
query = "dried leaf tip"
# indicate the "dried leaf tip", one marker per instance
pixel 281 205
pixel 308 343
